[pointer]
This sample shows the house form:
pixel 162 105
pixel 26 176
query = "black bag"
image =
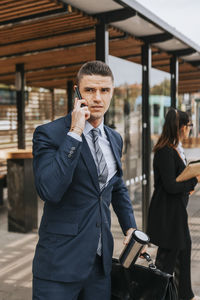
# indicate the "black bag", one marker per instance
pixel 141 283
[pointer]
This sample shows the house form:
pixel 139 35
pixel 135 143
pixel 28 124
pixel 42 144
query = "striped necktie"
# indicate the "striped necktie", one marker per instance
pixel 102 172
pixel 102 166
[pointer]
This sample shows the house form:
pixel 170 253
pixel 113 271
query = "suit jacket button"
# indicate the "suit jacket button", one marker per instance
pixel 69 155
pixel 98 224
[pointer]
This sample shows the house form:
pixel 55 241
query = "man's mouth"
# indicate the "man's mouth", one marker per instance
pixel 97 106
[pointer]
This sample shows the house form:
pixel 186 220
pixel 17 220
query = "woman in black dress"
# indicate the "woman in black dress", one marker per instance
pixel 168 220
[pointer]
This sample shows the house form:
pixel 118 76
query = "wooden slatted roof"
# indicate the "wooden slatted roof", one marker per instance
pixel 11 10
pixel 53 40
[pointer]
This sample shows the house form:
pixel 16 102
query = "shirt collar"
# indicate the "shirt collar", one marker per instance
pixel 180 146
pixel 89 127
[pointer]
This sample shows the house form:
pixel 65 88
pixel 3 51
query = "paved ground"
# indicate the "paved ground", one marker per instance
pixel 16 250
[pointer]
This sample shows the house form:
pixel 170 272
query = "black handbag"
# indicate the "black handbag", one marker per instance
pixel 141 283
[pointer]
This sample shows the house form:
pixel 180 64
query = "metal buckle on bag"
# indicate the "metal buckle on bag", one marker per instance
pixel 152 266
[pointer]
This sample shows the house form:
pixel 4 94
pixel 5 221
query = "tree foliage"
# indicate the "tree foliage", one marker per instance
pixel 161 89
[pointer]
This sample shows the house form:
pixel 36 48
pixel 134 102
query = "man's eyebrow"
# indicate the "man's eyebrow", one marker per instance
pixel 88 87
pixel 93 87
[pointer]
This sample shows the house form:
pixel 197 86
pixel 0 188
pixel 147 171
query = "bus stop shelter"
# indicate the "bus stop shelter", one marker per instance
pixel 43 43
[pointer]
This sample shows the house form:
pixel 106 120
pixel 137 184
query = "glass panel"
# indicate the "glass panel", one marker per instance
pixel 125 117
pixel 159 100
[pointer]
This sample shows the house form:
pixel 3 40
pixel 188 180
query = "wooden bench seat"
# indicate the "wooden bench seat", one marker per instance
pixel 10 153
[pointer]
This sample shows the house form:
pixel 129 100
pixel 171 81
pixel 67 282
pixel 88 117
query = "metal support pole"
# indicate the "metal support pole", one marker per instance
pixel 102 49
pixel 146 134
pixel 20 85
pixel 70 95
pixel 102 42
pixel 174 79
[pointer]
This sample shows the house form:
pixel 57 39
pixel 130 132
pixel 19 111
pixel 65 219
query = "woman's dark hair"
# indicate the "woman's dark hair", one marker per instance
pixel 174 120
pixel 95 67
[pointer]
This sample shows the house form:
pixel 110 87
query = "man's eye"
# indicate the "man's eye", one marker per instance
pixel 105 90
pixel 90 90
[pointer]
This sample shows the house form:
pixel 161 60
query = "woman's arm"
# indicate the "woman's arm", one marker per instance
pixel 165 163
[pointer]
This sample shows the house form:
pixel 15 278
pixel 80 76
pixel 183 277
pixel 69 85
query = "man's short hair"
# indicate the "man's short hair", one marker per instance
pixel 95 67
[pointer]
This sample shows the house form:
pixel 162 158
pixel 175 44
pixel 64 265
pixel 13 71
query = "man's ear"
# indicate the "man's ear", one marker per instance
pixel 113 91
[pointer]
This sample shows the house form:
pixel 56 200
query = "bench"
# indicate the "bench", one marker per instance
pixel 22 196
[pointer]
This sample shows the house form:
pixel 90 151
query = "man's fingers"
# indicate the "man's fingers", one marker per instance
pixel 128 235
pixel 87 112
pixel 144 249
pixel 127 239
pixel 85 108
pixel 79 102
pixel 87 115
pixel 75 102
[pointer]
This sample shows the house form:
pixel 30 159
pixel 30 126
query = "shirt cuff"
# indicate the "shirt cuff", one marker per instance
pixel 75 136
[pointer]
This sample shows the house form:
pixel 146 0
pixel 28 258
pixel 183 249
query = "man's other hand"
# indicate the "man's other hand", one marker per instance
pixel 128 235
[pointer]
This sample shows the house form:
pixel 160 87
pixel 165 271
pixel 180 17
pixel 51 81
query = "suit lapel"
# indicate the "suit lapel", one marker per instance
pixel 86 155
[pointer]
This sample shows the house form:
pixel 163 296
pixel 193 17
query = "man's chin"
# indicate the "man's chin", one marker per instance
pixel 96 116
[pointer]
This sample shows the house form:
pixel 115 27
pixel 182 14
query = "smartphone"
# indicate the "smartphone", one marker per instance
pixel 77 93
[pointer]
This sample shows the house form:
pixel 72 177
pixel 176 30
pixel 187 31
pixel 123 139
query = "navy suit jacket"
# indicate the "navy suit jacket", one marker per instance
pixel 75 210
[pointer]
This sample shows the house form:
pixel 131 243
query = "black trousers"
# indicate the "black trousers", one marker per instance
pixel 178 262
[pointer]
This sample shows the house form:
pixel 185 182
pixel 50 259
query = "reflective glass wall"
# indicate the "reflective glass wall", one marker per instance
pixel 125 116
pixel 159 100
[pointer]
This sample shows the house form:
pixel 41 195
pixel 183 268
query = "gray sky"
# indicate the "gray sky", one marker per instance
pixel 181 14
pixel 184 15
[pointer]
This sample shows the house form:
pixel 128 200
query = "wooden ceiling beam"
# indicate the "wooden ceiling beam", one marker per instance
pixel 63 19
pixel 52 78
pixel 48 69
pixel 189 85
pixel 53 43
pixel 51 58
pixel 190 76
pixel 161 62
pixel 190 80
pixel 24 6
pixel 38 14
pixel 61 83
pixel 29 43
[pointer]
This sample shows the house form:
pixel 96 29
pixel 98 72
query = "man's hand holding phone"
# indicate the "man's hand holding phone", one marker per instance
pixel 80 114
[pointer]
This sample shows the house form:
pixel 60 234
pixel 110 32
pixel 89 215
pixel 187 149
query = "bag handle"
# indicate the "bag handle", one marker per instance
pixel 149 260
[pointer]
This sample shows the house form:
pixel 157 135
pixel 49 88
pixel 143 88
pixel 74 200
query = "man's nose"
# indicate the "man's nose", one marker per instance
pixel 97 95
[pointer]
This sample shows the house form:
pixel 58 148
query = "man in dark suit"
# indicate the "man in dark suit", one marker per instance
pixel 78 174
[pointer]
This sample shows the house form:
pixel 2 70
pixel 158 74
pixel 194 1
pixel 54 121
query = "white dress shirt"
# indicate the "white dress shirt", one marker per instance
pixel 104 145
pixel 180 150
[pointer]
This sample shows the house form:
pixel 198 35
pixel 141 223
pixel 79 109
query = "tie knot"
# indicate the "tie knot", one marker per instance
pixel 95 132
